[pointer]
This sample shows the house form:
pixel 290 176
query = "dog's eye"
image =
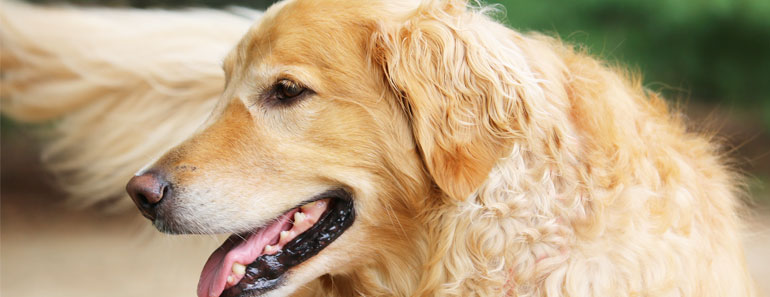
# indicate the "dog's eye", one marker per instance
pixel 285 90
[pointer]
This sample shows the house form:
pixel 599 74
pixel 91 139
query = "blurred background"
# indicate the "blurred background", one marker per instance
pixel 711 58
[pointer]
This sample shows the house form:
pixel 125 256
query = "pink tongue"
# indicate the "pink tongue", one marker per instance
pixel 220 264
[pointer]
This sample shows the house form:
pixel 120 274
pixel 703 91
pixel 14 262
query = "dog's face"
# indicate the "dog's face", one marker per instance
pixel 331 132
pixel 304 117
pixel 294 122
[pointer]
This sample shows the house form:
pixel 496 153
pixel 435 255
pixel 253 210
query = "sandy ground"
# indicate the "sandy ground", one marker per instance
pixel 47 250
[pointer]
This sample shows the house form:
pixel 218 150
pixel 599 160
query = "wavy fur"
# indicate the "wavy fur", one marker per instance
pixel 543 171
pixel 601 191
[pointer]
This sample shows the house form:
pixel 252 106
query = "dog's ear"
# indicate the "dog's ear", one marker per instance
pixel 458 76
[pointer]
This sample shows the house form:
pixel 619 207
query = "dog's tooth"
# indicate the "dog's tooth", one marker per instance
pixel 230 279
pixel 239 269
pixel 269 249
pixel 298 217
pixel 286 236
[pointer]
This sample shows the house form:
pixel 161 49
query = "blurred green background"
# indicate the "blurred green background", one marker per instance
pixel 710 56
pixel 716 51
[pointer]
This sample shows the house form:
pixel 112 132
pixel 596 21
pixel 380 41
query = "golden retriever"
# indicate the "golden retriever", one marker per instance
pixel 405 148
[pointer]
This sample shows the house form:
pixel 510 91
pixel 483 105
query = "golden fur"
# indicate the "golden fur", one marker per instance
pixel 109 78
pixel 483 162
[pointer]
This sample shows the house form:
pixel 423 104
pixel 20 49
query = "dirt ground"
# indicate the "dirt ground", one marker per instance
pixel 48 250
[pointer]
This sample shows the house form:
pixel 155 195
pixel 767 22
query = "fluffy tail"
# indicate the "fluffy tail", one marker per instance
pixel 120 85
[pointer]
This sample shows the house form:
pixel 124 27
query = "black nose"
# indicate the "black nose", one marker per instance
pixel 147 190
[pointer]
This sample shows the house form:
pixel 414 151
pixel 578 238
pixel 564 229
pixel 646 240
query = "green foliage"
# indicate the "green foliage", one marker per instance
pixel 707 50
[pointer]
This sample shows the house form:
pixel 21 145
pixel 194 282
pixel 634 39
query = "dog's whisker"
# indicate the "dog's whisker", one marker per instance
pixel 450 155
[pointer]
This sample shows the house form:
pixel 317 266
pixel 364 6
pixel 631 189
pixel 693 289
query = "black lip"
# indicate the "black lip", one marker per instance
pixel 268 271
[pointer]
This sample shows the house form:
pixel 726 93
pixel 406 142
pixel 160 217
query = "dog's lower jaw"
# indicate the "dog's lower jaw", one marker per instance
pixel 171 227
pixel 286 289
pixel 269 271
pixel 164 227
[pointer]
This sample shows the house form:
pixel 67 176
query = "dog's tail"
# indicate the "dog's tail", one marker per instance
pixel 120 86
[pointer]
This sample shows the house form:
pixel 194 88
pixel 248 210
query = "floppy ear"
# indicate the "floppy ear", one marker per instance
pixel 460 78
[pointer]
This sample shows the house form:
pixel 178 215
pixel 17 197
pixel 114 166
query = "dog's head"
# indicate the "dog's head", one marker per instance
pixel 341 123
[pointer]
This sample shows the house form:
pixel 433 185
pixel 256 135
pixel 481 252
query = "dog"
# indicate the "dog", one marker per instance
pixel 420 148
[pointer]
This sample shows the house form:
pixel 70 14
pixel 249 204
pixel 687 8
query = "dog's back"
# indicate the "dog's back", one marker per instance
pixel 663 201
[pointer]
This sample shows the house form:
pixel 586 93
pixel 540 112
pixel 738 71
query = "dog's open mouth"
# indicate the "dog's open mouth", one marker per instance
pixel 253 263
